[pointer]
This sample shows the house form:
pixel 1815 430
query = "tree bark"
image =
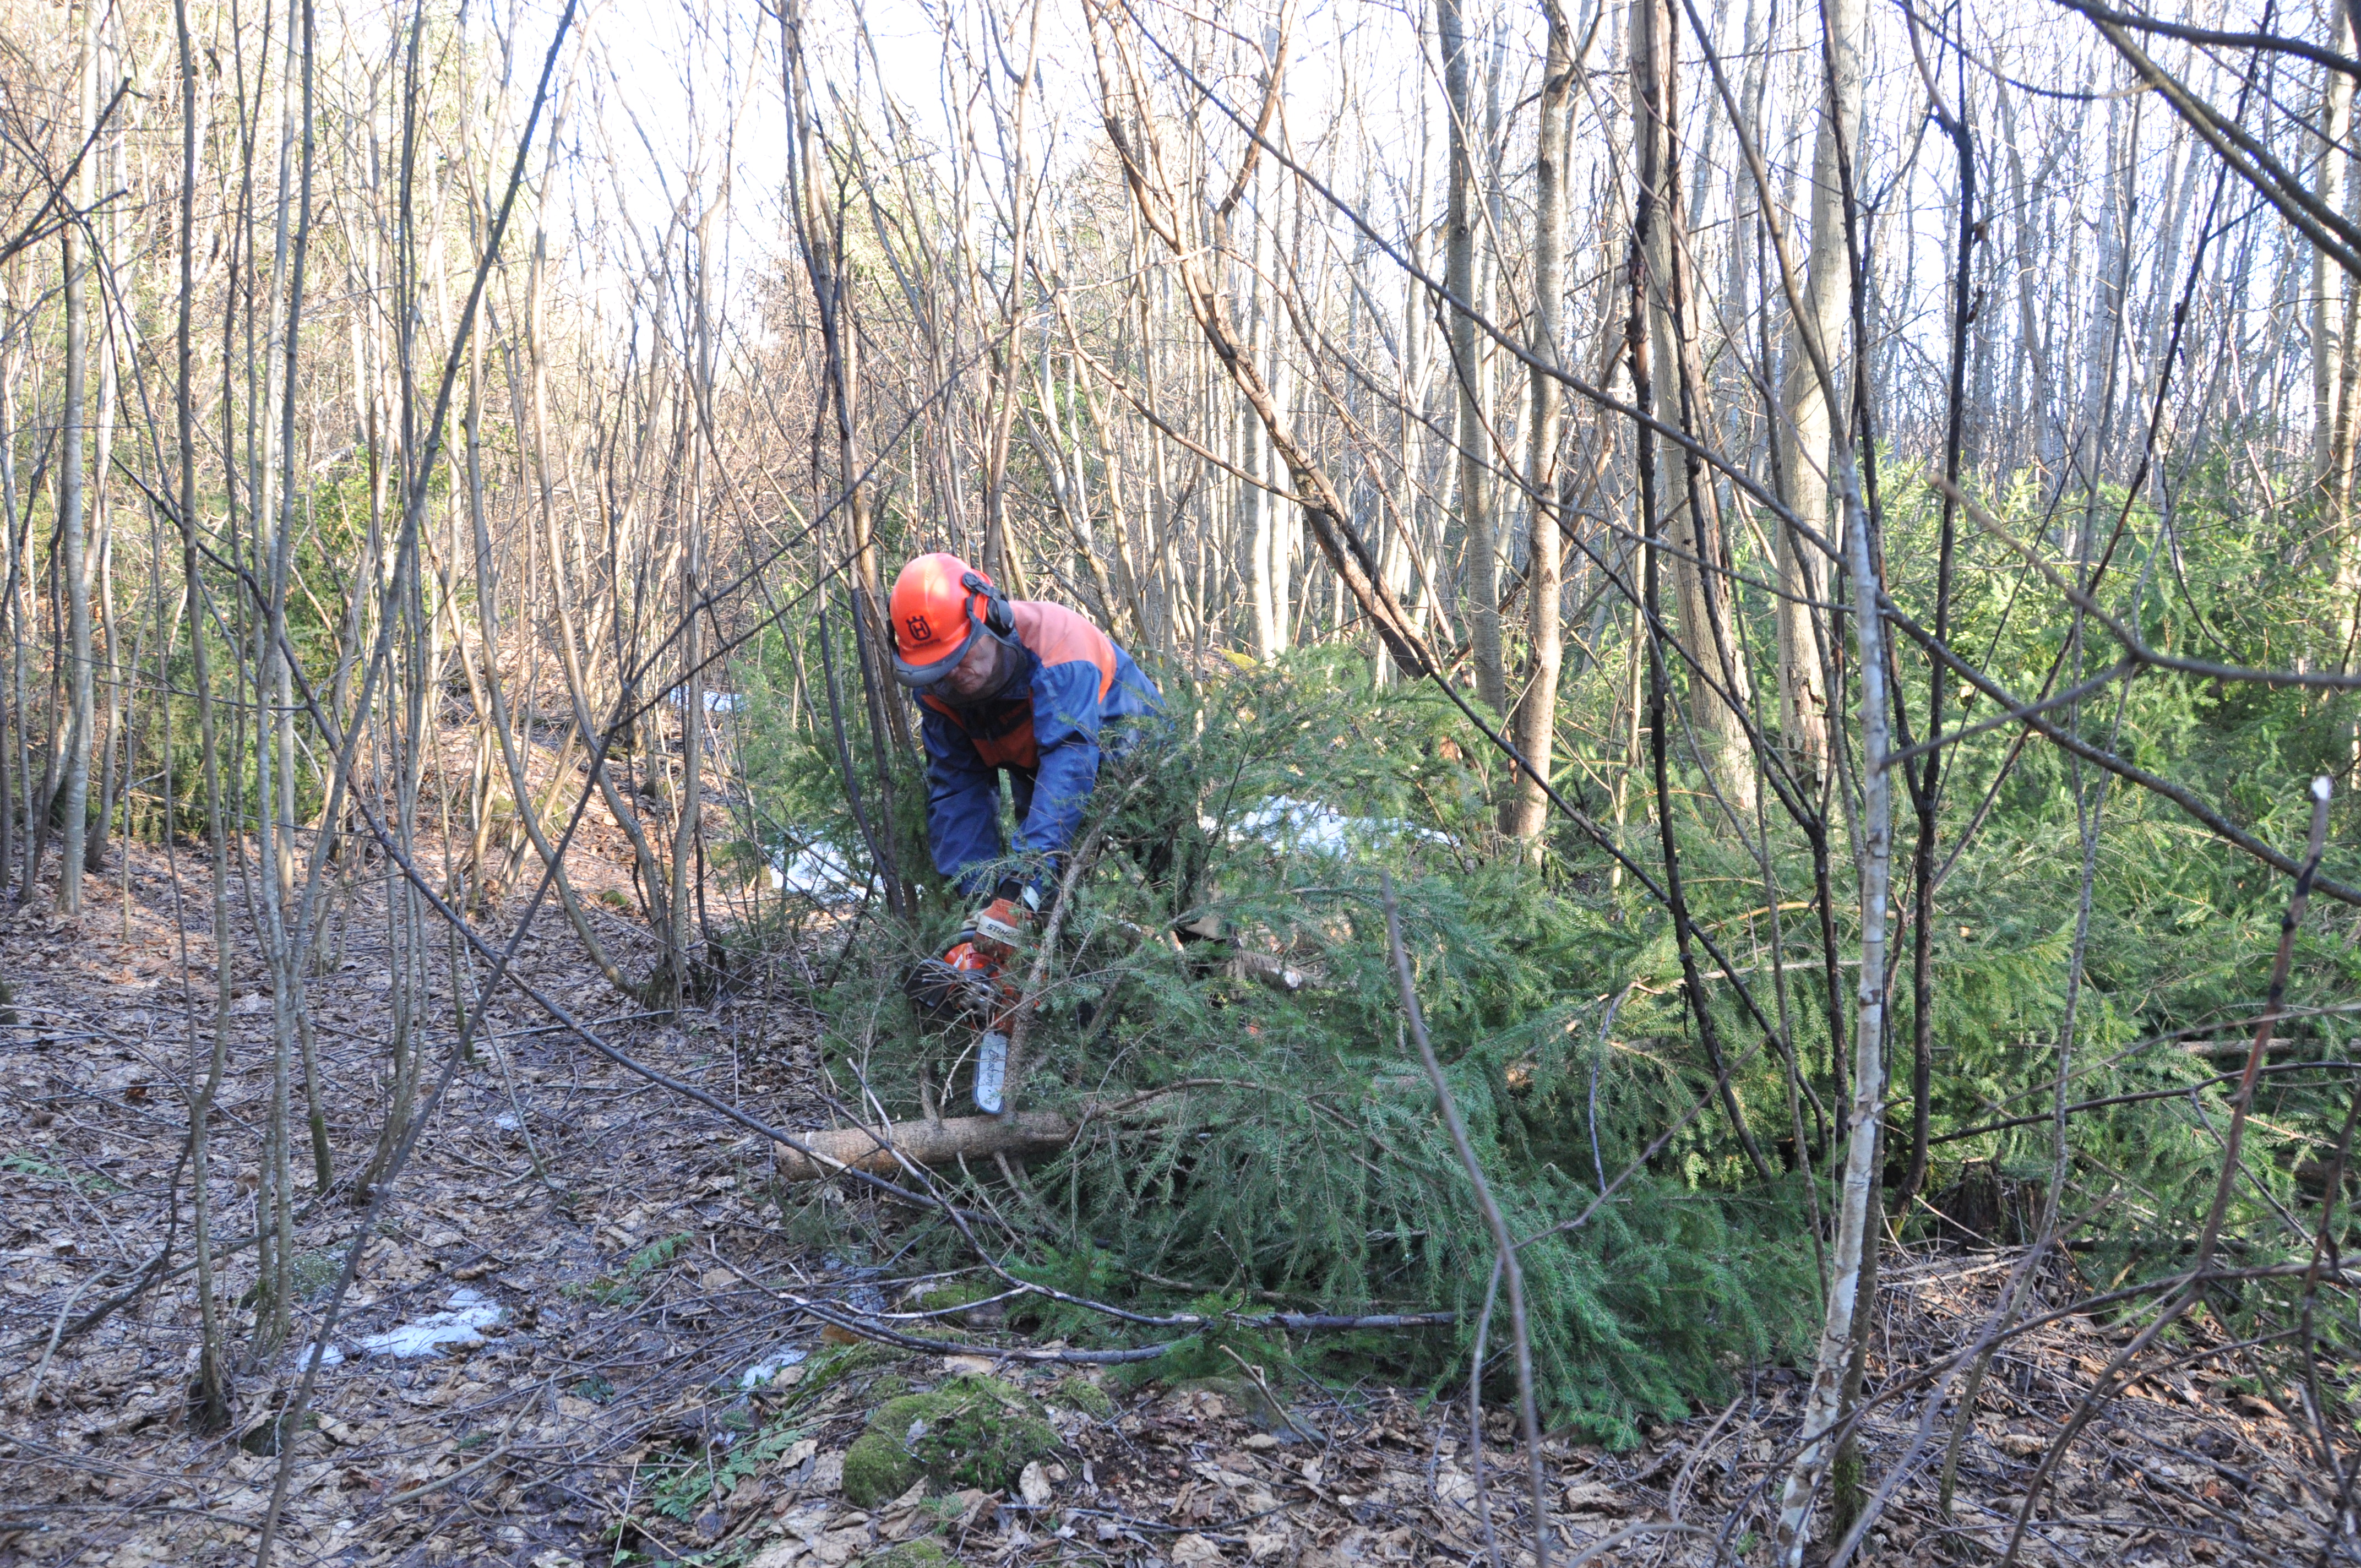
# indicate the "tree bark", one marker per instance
pixel 1827 301
pixel 1856 1239
pixel 73 527
pixel 1851 1276
pixel 1536 718
pixel 1253 455
pixel 1483 584
pixel 881 1150
pixel 2040 406
pixel 2329 284
pixel 209 1398
pixel 1717 681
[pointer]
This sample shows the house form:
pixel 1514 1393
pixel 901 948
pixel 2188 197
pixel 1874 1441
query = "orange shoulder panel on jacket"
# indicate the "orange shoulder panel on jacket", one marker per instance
pixel 1059 636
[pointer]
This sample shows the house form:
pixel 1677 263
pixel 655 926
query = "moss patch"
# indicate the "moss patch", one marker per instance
pixel 1081 1394
pixel 922 1552
pixel 841 1366
pixel 954 1293
pixel 972 1431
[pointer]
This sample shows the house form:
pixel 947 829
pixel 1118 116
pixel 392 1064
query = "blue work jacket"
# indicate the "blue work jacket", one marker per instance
pixel 1043 729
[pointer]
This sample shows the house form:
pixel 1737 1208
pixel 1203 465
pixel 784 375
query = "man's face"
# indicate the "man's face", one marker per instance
pixel 978 672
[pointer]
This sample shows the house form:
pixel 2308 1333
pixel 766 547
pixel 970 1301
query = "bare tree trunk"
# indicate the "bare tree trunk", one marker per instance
pixel 1403 546
pixel 1524 814
pixel 2102 341
pixel 999 551
pixel 1851 1267
pixel 73 530
pixel 209 1400
pixel 2031 328
pixel 1286 525
pixel 1255 527
pixel 1828 301
pixel 1736 286
pixel 1722 694
pixel 1483 586
pixel 110 742
pixel 2329 284
pixel 1848 1293
pixel 14 794
pixel 1716 681
pixel 1654 192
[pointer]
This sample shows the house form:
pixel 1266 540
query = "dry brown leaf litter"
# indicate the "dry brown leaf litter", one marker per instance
pixel 538 1446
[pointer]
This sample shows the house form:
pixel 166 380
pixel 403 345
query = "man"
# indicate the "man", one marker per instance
pixel 1031 689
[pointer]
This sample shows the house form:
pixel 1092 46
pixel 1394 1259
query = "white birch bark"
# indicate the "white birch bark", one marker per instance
pixel 1824 1405
pixel 2104 329
pixel 1827 301
pixel 2329 283
pixel 1483 587
pixel 1527 810
pixel 1255 448
pixel 72 529
pixel 2039 408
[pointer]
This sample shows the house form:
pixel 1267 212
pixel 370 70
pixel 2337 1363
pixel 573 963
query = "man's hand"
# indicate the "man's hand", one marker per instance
pixel 1001 924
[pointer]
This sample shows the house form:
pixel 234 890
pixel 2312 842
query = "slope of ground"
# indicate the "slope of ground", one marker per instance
pixel 631 1381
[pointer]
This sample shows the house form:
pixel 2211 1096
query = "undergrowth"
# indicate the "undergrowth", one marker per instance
pixel 1305 1166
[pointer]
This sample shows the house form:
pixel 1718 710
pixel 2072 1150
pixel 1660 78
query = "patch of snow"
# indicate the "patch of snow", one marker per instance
pixel 812 872
pixel 460 1326
pixel 771 1366
pixel 1307 826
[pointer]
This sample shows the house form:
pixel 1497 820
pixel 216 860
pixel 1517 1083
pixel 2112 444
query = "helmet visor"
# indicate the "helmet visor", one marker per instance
pixel 919 675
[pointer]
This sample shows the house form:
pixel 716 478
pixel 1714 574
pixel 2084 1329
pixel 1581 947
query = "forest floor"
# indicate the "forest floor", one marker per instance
pixel 617 1248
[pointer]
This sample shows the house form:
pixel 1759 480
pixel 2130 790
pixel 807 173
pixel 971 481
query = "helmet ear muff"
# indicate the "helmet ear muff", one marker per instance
pixel 998 617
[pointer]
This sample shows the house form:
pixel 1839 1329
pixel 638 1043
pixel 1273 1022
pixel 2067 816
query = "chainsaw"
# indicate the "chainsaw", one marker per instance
pixel 966 985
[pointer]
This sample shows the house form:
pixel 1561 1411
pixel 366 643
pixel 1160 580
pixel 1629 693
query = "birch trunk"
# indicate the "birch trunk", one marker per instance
pixel 2039 405
pixel 2104 331
pixel 1854 1257
pixel 73 544
pixel 209 1399
pixel 1403 542
pixel 112 329
pixel 1254 452
pixel 1526 811
pixel 1286 524
pixel 1851 1268
pixel 1716 679
pixel 1483 589
pixel 2329 284
pixel 1827 302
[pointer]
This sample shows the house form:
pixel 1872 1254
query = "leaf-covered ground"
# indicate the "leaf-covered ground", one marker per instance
pixel 635 1253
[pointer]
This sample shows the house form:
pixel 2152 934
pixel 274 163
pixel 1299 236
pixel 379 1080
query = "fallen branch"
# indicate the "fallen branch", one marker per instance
pixel 868 1328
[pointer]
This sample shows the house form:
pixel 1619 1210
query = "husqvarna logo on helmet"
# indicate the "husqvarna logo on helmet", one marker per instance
pixel 919 630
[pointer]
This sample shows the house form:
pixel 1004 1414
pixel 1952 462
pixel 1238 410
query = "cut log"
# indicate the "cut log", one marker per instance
pixel 925 1142
pixel 1020 1136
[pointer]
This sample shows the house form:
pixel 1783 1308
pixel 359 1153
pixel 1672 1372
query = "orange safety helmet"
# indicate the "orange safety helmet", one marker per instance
pixel 939 603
